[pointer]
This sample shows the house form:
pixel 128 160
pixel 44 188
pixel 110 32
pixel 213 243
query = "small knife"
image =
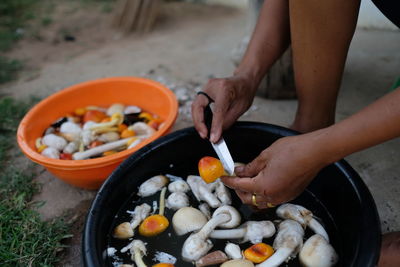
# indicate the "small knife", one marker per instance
pixel 220 147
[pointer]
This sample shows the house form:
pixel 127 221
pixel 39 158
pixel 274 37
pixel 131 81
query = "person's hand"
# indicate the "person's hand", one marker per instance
pixel 280 173
pixel 232 96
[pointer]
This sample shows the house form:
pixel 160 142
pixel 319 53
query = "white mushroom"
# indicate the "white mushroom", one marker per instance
pixel 108 137
pixel 132 109
pixel 54 141
pixel 233 251
pixel 177 200
pixel 114 108
pixel 152 185
pixel 51 152
pixel 135 142
pixel 302 216
pixel 213 258
pixel 138 250
pixel 205 209
pixel 287 243
pixel 139 214
pixel 237 263
pixel 317 252
pixel 100 149
pixel 222 193
pixel 178 186
pixel 187 220
pixel 198 244
pixel 72 147
pixel 142 129
pixel 70 127
pixel 202 192
pixel 253 231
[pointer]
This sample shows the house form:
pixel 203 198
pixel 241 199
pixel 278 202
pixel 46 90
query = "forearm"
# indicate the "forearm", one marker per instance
pixel 375 124
pixel 270 39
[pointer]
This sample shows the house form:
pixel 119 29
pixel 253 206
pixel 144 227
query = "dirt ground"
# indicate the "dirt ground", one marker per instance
pixel 191 43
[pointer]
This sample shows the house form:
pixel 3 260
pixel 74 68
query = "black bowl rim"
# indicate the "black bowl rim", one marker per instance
pixel 368 207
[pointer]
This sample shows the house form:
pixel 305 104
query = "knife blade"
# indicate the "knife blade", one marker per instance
pixel 220 147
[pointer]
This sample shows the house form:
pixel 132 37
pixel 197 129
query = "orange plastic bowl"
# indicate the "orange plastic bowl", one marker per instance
pixel 90 174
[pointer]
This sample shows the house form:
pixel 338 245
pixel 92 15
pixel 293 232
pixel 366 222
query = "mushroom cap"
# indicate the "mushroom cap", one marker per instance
pixel 188 219
pixel 290 235
pixel 178 186
pixel 257 230
pixel 237 263
pixel 317 252
pixel 233 251
pixel 177 200
pixel 152 185
pixel 138 245
pixel 235 216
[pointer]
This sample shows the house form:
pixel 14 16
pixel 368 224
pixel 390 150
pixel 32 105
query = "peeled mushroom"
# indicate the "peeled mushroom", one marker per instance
pixel 72 147
pixel 177 200
pixel 70 127
pixel 198 244
pixel 51 152
pixel 114 109
pixel 253 231
pixel 317 252
pixel 202 192
pixel 187 220
pixel 178 186
pixel 237 263
pixel 233 251
pixel 123 231
pixel 54 141
pixel 287 243
pixel 142 129
pixel 222 193
pixel 152 185
pixel 205 209
pixel 108 137
pixel 139 214
pixel 302 216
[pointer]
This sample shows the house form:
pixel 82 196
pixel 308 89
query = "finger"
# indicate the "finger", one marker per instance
pixel 219 112
pixel 198 106
pixel 261 202
pixel 249 185
pixel 253 168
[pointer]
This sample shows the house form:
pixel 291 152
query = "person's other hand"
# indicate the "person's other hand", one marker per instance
pixel 280 173
pixel 232 96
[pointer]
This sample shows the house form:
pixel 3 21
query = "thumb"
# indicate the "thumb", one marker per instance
pixel 253 168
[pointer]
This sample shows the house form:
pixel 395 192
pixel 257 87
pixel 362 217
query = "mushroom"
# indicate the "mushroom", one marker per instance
pixel 187 220
pixel 139 214
pixel 233 251
pixel 116 118
pixel 202 192
pixel 215 257
pixel 152 185
pixel 287 243
pixel 114 108
pixel 71 147
pixel 157 223
pixel 205 209
pixel 138 250
pixel 237 263
pixel 177 200
pixel 222 193
pixel 302 216
pixel 178 186
pixel 87 136
pixel 54 141
pixel 123 231
pixel 317 252
pixel 132 109
pixel 198 244
pixel 142 129
pixel 51 152
pixel 100 149
pixel 70 127
pixel 253 231
pixel 108 137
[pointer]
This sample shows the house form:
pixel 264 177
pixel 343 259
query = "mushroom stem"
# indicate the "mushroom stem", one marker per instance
pixel 202 191
pixel 100 149
pixel 276 258
pixel 139 249
pixel 139 214
pixel 162 201
pixel 229 234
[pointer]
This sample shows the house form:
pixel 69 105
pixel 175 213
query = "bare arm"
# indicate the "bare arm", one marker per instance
pixel 283 170
pixel 234 95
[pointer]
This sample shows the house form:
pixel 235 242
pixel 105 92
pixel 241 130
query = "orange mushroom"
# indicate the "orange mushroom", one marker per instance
pixel 210 169
pixel 157 223
pixel 163 265
pixel 258 253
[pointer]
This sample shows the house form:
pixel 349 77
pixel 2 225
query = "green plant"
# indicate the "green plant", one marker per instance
pixel 8 69
pixel 26 240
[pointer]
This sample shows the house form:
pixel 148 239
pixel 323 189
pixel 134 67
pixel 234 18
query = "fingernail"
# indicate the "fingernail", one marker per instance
pixel 212 138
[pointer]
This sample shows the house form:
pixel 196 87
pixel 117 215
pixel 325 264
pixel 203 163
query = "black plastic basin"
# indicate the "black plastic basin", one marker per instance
pixel 337 195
